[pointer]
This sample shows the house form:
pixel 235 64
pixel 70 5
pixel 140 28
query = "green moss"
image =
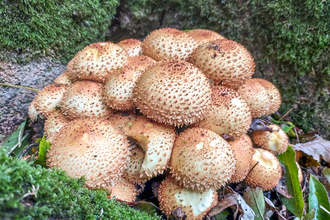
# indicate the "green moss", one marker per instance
pixel 58 196
pixel 63 26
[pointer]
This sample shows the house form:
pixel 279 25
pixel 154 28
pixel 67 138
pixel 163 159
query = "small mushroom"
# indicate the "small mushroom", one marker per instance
pixel 123 190
pixel 53 124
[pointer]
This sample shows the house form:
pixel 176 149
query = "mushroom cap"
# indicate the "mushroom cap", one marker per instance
pixel 277 141
pixel 224 61
pixel 201 159
pixel 274 95
pixel 96 61
pixel 203 36
pixel 118 88
pixel 32 112
pixel 168 44
pixel 84 99
pixel 90 148
pixel 243 151
pixel 123 190
pixel 229 113
pixel 49 98
pixel 132 46
pixel 55 121
pixel 173 93
pixel 267 173
pixel 194 204
pixel 256 96
pixel 63 79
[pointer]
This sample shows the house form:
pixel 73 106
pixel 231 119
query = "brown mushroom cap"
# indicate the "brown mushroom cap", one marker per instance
pixel 55 121
pixel 168 44
pixel 96 61
pixel 194 204
pixel 201 159
pixel 49 98
pixel 203 36
pixel 224 61
pixel 267 173
pixel 229 113
pixel 63 79
pixel 173 93
pixel 243 151
pixel 123 190
pixel 256 96
pixel 90 148
pixel 32 112
pixel 84 99
pixel 132 46
pixel 277 141
pixel 118 88
pixel 274 95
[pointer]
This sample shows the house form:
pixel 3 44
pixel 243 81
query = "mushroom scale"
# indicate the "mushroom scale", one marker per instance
pixel 201 160
pixel 63 79
pixel 194 204
pixel 96 61
pixel 168 44
pixel 84 99
pixel 173 93
pixel 224 61
pixel 203 36
pixel 132 46
pixel 93 149
pixel 229 113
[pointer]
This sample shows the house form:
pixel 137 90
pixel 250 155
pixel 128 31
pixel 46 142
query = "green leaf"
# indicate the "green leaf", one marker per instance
pixel 255 199
pixel 147 207
pixel 318 199
pixel 310 215
pixel 326 173
pixel 43 147
pixel 222 215
pixel 295 204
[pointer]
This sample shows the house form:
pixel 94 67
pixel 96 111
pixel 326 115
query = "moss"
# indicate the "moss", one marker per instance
pixel 63 27
pixel 57 196
pixel 288 39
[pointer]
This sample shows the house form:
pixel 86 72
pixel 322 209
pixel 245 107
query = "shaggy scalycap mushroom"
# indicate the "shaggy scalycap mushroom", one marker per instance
pixel 194 204
pixel 168 44
pixel 173 93
pixel 84 99
pixel 243 151
pixel 201 160
pixel 277 141
pixel 123 190
pixel 132 46
pixel 267 173
pixel 256 96
pixel 203 36
pixel 63 79
pixel 96 61
pixel 32 111
pixel 90 148
pixel 118 88
pixel 55 121
pixel 224 61
pixel 229 113
pixel 49 98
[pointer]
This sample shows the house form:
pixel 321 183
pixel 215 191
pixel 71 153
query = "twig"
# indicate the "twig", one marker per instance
pixel 286 113
pixel 27 149
pixel 324 209
pixel 295 131
pixel 21 87
pixel 101 213
pixel 253 168
pixel 20 135
pixel 16 145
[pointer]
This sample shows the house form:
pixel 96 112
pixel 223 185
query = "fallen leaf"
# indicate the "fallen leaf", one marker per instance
pixel 282 189
pixel 326 173
pixel 316 148
pixel 269 209
pixel 254 197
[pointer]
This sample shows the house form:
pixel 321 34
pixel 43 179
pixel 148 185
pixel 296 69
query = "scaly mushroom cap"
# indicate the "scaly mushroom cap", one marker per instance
pixel 173 93
pixel 267 173
pixel 194 204
pixel 84 99
pixel 49 98
pixel 133 172
pixel 90 148
pixel 32 112
pixel 256 96
pixel 243 151
pixel 229 113
pixel 123 190
pixel 63 79
pixel 168 44
pixel 96 61
pixel 55 121
pixel 201 160
pixel 277 141
pixel 156 140
pixel 132 46
pixel 274 95
pixel 203 36
pixel 224 61
pixel 118 88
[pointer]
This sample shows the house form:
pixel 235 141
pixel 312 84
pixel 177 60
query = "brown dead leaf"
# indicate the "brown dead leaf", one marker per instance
pixel 282 189
pixel 316 148
pixel 223 204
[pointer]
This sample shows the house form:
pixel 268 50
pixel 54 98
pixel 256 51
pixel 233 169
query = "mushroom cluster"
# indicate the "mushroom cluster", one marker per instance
pixel 114 115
